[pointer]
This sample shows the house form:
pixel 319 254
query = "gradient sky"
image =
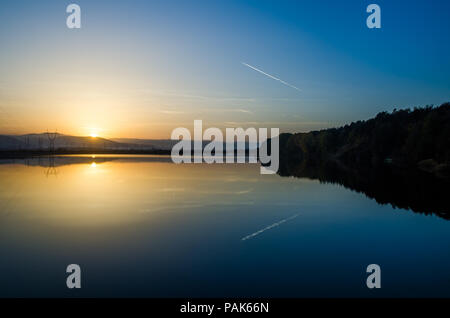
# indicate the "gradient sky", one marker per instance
pixel 142 68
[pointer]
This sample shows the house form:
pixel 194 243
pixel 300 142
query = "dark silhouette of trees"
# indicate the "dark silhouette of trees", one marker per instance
pixel 400 158
pixel 405 138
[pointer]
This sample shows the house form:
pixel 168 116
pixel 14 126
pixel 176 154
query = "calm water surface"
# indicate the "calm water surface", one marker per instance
pixel 142 226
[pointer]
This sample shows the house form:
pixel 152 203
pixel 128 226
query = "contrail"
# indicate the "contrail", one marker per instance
pixel 272 77
pixel 269 227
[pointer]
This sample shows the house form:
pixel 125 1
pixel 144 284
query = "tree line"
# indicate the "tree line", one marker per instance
pixel 406 137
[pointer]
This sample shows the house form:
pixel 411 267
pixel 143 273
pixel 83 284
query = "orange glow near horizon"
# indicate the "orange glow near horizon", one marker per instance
pixel 94 133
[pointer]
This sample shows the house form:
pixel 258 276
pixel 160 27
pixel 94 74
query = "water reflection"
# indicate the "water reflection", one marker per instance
pixel 140 226
pixel 102 190
pixel 414 190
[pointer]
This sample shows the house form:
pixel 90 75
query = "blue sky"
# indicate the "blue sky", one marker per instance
pixel 143 68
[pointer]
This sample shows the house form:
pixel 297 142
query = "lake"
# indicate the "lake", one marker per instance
pixel 141 226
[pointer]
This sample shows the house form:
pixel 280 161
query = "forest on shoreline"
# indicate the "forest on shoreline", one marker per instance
pixel 418 138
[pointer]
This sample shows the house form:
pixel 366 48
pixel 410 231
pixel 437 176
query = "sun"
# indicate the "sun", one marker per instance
pixel 93 132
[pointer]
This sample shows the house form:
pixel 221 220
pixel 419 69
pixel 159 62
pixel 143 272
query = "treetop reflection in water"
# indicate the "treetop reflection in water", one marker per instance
pixel 415 190
pixel 406 189
pixel 145 227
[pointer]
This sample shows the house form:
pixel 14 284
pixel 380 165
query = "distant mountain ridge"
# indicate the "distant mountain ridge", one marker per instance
pixel 42 142
pixel 163 144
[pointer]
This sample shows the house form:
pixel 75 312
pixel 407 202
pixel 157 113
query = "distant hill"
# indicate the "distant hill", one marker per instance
pixel 67 142
pixel 163 144
pixel 403 138
pixel 10 142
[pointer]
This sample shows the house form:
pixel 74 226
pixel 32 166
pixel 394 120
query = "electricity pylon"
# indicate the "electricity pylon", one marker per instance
pixel 51 140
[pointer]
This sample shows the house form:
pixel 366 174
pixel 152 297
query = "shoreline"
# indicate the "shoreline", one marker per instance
pixel 20 154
